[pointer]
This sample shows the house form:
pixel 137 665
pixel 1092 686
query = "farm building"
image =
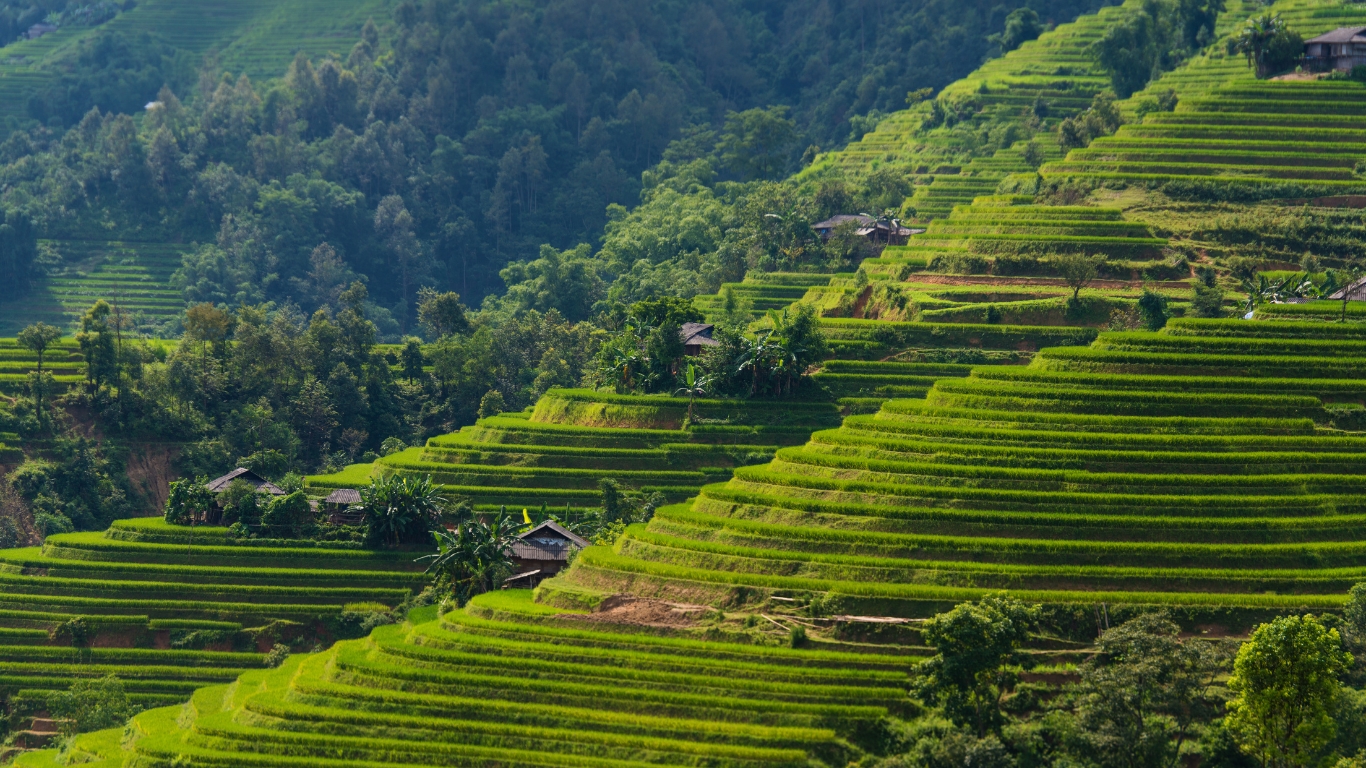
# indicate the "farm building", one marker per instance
pixel 887 231
pixel 262 485
pixel 1341 49
pixel 343 507
pixel 697 336
pixel 543 551
pixel 1356 291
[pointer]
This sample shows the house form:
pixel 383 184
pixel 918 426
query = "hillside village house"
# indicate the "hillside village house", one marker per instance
pixel 258 483
pixel 1341 49
pixel 888 231
pixel 543 552
pixel 696 337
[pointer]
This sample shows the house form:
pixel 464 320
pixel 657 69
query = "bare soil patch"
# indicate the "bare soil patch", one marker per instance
pixel 642 611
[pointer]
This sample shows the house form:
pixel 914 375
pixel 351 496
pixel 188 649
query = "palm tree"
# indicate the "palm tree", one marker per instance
pixel 696 388
pixel 1255 38
pixel 475 557
pixel 400 507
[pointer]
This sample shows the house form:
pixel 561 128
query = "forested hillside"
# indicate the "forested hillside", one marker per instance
pixel 437 144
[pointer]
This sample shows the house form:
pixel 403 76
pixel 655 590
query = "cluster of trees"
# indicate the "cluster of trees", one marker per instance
pixel 647 355
pixel 1155 37
pixel 1269 44
pixel 1147 698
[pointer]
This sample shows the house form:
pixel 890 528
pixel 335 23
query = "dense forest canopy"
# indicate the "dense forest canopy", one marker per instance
pixel 462 136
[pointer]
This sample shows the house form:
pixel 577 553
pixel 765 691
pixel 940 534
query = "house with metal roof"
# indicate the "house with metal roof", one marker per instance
pixel 1341 49
pixel 262 485
pixel 696 337
pixel 543 552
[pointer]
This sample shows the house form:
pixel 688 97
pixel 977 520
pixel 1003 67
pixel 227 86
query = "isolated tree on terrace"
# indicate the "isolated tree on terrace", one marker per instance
pixel 1268 44
pixel 1079 270
pixel 400 509
pixel 37 338
pixel 978 646
pixel 696 387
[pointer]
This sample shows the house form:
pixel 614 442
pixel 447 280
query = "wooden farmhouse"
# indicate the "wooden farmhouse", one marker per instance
pixel 542 552
pixel 1341 49
pixel 696 337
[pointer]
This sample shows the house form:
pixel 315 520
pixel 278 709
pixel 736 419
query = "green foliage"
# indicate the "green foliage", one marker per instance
pixel 978 649
pixel 92 705
pixel 1151 39
pixel 400 509
pixel 289 516
pixel 1285 685
pixel 188 502
pixel 1102 118
pixel 474 558
pixel 1022 25
pixel 1142 696
pixel 80 489
pixel 1268 43
pixel 757 143
pixel 1153 308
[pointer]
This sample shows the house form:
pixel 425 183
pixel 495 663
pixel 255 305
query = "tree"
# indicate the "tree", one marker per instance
pixel 1022 25
pixel 96 340
pixel 91 705
pixel 977 645
pixel 696 387
pixel 38 337
pixel 1268 43
pixel 1142 694
pixel 400 509
pixel 412 359
pixel 441 314
pixel 1153 308
pixel 1078 270
pixel 475 557
pixel 1285 684
pixel 288 516
pixel 189 502
pixel 209 325
pixel 757 143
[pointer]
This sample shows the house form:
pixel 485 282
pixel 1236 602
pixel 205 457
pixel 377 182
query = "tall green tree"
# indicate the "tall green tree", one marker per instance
pixel 978 650
pixel 1285 684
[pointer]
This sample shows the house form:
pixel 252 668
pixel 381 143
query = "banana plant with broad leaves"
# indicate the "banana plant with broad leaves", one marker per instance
pixel 475 557
pixel 1265 290
pixel 400 509
pixel 696 387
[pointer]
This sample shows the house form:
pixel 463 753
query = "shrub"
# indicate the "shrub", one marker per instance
pixel 91 705
pixel 289 516
pixel 189 502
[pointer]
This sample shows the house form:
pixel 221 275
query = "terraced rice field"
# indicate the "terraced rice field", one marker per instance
pixel 557 453
pixel 510 682
pixel 1189 468
pixel 135 275
pixel 1267 131
pixel 63 360
pixel 170 609
pixel 1007 223
pixel 258 38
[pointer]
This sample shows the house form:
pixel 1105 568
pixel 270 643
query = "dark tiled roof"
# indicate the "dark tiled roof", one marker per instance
pixel 1341 35
pixel 551 530
pixel 343 496
pixel 220 484
pixel 698 334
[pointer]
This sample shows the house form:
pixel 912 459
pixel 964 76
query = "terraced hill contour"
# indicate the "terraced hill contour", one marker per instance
pixel 171 609
pixel 1192 467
